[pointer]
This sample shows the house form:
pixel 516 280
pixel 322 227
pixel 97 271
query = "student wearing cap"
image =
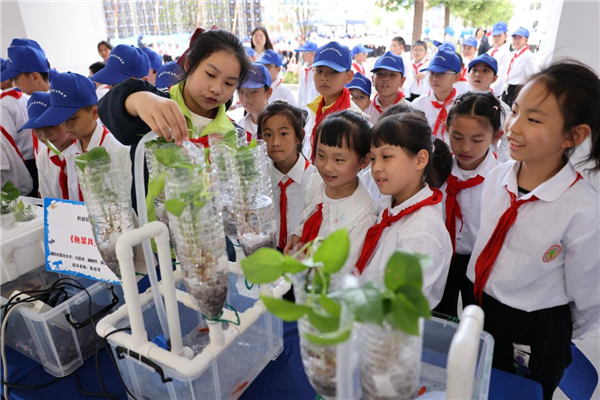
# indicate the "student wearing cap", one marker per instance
pixel 469 52
pixel 52 168
pixel 169 74
pixel 250 53
pixel 272 61
pixel 101 88
pixel 482 73
pixel 398 47
pixel 332 72
pixel 254 93
pixel 462 86
pixel 155 63
pixel 419 62
pixel 12 166
pixel 307 91
pixel 501 52
pixel 388 77
pixel 360 90
pixel 123 62
pixel 359 56
pixel 73 101
pixel 521 66
pixel 444 72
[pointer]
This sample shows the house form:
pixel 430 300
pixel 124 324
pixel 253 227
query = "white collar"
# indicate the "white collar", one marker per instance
pixel 350 206
pixel 296 173
pixel 94 141
pixel 548 191
pixel 386 201
pixel 488 163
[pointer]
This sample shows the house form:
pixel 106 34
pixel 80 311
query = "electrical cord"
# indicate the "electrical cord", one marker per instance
pixel 103 342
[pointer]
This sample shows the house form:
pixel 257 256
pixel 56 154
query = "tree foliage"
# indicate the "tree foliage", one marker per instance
pixel 478 12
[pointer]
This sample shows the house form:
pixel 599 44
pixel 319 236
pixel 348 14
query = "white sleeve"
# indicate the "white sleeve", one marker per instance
pixel 290 97
pixel 44 184
pixel 499 85
pixel 530 67
pixel 301 91
pixel 409 74
pixel 8 119
pixel 307 141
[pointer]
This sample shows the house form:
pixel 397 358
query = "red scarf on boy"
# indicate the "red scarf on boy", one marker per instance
pixel 343 102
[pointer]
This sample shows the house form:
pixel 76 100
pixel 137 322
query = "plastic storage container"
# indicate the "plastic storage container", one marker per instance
pixel 227 376
pixel 437 336
pixel 63 337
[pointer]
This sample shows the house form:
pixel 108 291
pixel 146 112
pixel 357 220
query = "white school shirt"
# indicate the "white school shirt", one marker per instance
pixel 502 55
pixel 409 74
pixel 469 201
pixel 13 169
pixel 49 175
pixel 102 90
pixel 248 125
pixel 307 91
pixel 13 115
pixel 374 114
pixel 119 154
pixel 295 193
pixel 281 92
pixel 357 213
pixel 422 232
pixel 550 256
pixel 423 103
pixel 523 66
pixel 418 84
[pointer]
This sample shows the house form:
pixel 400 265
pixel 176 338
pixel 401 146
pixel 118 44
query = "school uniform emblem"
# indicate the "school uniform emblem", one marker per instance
pixel 552 253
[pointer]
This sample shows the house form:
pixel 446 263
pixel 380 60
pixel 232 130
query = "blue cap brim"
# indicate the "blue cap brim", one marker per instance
pixel 9 74
pixel 252 85
pixel 31 124
pixel 388 68
pixel 56 115
pixel 495 33
pixel 359 88
pixel 438 69
pixel 109 76
pixel 331 64
pixel 265 62
pixel 475 62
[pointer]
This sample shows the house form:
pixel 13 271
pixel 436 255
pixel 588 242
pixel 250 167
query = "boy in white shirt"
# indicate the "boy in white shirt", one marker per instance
pixel 501 52
pixel 273 62
pixel 419 62
pixel 254 93
pixel 397 47
pixel 307 91
pixel 521 66
pixel 360 90
pixel 359 56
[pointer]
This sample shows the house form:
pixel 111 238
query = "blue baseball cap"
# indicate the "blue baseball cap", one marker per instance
pixel 359 48
pixel 470 41
pixel 444 61
pixel 68 93
pixel 521 32
pixel 168 75
pixel 485 59
pixel 450 31
pixel 499 28
pixel 258 76
pixel 360 82
pixel 308 46
pixel 389 61
pixel 24 59
pixel 3 65
pixel 271 57
pixel 249 51
pixel 37 104
pixel 27 42
pixel 446 46
pixel 154 58
pixel 123 62
pixel 52 72
pixel 333 55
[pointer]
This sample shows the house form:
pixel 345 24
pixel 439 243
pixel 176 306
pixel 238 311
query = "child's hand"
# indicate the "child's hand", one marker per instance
pixel 162 115
pixel 292 246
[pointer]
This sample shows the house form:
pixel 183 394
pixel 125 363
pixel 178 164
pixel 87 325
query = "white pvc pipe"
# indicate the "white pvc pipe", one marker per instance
pixel 462 356
pixel 140 193
pixel 344 373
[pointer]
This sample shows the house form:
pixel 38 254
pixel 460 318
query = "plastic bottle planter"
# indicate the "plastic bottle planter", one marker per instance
pixel 255 209
pixel 390 362
pixel 221 158
pixel 108 202
pixel 199 238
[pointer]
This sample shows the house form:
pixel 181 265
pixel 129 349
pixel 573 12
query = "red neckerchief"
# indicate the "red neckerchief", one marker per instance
pixel 306 71
pixel 359 68
pixel 374 233
pixel 283 233
pixel 17 94
pixel 312 225
pixel 278 83
pixel 35 144
pixel 463 76
pixel 489 254
pixel 398 100
pixel 417 66
pixel 494 52
pixel 523 50
pixel 104 133
pixel 343 102
pixel 12 142
pixel 443 114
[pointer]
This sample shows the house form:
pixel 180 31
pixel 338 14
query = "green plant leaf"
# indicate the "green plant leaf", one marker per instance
pixel 417 299
pixel 230 139
pixel 333 252
pixel 403 268
pixel 11 195
pixel 405 316
pixel 96 153
pixel 53 148
pixel 263 266
pixel 165 155
pixel 292 266
pixel 331 338
pixel 324 323
pixel 8 186
pixel 331 306
pixel 284 309
pixel 365 303
pixel 19 207
pixel 157 185
pixel 253 143
pixel 175 206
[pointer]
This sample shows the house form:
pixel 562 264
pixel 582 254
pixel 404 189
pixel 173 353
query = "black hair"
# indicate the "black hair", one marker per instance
pixel 107 44
pixel 478 29
pixel 412 132
pixel 399 109
pixel 420 43
pixel 400 40
pixel 44 75
pixel 268 44
pixel 344 128
pixel 577 90
pixel 97 66
pixel 211 41
pixel 481 105
pixel 296 116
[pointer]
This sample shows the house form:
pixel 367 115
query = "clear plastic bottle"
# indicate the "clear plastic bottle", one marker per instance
pixel 221 159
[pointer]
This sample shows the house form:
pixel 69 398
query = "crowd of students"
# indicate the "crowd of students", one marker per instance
pixel 435 163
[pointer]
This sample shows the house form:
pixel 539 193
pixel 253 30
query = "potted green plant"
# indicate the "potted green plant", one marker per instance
pixel 13 208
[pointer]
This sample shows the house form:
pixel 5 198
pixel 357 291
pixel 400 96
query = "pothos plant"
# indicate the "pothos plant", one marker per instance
pixel 8 203
pixel 401 303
